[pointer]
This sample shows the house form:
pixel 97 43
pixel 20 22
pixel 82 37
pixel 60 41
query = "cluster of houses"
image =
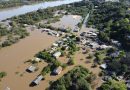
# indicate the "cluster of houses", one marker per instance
pixel 58 44
pixel 90 39
pixel 55 53
pixel 76 29
pixel 32 69
pixel 52 32
pixel 59 12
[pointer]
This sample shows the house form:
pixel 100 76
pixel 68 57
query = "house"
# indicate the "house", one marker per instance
pixel 31 69
pixel 76 29
pixel 7 88
pixel 57 70
pixel 55 44
pixel 37 59
pixel 107 78
pixel 57 54
pixel 83 41
pixel 128 85
pixel 119 78
pixel 37 80
pixel 115 54
pixel 117 43
pixel 104 47
pixel 103 66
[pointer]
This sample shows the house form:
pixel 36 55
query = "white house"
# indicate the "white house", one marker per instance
pixel 103 66
pixel 37 59
pixel 31 68
pixel 57 54
pixel 38 79
pixel 58 70
pixel 55 44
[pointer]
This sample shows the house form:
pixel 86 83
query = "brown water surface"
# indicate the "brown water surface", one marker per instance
pixel 12 60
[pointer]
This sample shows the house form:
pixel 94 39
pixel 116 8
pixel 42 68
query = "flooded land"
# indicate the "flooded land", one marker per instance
pixel 12 60
pixel 67 21
pixel 52 42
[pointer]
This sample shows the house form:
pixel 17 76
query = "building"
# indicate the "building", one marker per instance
pixel 7 88
pixel 55 44
pixel 57 70
pixel 115 54
pixel 103 66
pixel 114 42
pixel 57 54
pixel 37 59
pixel 31 69
pixel 37 80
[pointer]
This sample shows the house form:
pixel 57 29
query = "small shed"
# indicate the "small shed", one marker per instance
pixel 55 44
pixel 31 69
pixel 115 54
pixel 7 88
pixel 37 59
pixel 103 66
pixel 57 70
pixel 57 54
pixel 37 80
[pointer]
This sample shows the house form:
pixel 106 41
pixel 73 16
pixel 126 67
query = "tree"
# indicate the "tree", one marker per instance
pixel 3 74
pixel 113 85
pixel 71 61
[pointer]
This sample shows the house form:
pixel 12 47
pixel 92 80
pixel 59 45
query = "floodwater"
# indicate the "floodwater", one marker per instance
pixel 8 13
pixel 12 60
pixel 67 21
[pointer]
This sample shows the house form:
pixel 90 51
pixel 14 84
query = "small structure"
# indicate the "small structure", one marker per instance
pixel 7 88
pixel 58 70
pixel 128 85
pixel 31 69
pixel 104 47
pixel 55 44
pixel 37 80
pixel 114 42
pixel 57 54
pixel 119 78
pixel 115 54
pixel 103 66
pixel 37 59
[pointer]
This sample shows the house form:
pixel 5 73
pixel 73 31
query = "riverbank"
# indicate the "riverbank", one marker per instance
pixel 4 14
pixel 12 4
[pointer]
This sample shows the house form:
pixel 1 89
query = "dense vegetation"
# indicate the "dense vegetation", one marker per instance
pixel 80 8
pixel 2 74
pixel 76 79
pixel 113 22
pixel 33 17
pixel 12 35
pixel 113 85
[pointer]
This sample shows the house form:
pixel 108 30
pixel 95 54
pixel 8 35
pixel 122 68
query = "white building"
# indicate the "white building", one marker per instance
pixel 103 66
pixel 58 70
pixel 57 54
pixel 31 69
pixel 38 79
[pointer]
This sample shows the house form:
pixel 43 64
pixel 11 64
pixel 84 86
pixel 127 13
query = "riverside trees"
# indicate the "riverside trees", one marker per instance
pixel 112 21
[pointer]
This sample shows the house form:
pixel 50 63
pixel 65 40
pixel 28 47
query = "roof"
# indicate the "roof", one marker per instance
pixel 58 70
pixel 37 59
pixel 32 68
pixel 128 85
pixel 115 54
pixel 103 66
pixel 7 88
pixel 57 54
pixel 55 44
pixel 38 79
